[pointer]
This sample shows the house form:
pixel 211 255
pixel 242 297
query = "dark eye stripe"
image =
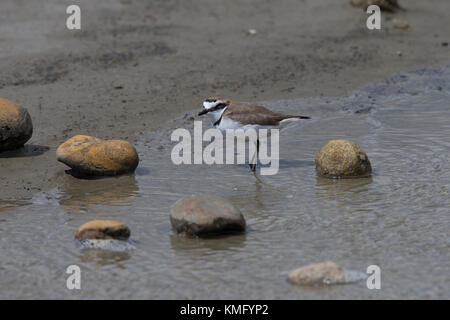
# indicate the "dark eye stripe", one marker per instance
pixel 219 106
pixel 210 100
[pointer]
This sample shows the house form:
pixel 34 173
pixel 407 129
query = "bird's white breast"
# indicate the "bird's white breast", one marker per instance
pixel 227 123
pixel 215 115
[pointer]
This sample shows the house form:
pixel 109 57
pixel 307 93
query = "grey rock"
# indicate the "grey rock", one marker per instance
pixel 206 215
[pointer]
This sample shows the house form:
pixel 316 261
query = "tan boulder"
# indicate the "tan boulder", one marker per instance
pixel 342 159
pixel 206 215
pixel 316 274
pixel 103 229
pixel 93 156
pixel 16 127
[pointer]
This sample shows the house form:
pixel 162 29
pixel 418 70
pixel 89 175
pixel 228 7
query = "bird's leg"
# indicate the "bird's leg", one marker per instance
pixel 256 154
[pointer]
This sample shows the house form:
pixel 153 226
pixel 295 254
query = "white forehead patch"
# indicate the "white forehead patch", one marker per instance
pixel 209 105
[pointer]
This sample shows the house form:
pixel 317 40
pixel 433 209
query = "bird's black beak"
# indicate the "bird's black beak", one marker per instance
pixel 204 111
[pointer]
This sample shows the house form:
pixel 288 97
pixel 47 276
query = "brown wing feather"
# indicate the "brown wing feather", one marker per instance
pixel 247 113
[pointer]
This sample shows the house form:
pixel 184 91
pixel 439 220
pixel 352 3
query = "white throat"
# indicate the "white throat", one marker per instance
pixel 215 115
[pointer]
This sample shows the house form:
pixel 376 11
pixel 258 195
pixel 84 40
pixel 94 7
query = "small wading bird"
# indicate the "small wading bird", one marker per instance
pixel 227 114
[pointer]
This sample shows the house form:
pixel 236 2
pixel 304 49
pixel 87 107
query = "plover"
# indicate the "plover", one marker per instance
pixel 227 114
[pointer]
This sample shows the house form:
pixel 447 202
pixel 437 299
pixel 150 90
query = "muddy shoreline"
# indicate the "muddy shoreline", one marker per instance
pixel 135 65
pixel 395 219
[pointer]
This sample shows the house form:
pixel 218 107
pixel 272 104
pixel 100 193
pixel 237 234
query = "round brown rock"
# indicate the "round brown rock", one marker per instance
pixel 316 274
pixel 16 127
pixel 93 156
pixel 206 215
pixel 342 159
pixel 103 229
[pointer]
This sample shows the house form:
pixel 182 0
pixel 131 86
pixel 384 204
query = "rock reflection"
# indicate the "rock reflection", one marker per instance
pixel 349 197
pixel 330 188
pixel 11 205
pixel 83 194
pixel 183 244
pixel 103 257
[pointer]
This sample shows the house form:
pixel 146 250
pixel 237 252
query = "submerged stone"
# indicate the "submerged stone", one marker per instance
pixel 93 156
pixel 318 274
pixel 400 24
pixel 104 230
pixel 206 215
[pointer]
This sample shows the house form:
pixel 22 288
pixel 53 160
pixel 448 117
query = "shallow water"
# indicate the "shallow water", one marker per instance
pixel 397 219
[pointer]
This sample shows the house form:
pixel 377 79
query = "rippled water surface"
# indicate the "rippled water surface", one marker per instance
pixel 398 219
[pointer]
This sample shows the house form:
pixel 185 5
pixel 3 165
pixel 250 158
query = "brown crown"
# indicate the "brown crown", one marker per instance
pixel 227 101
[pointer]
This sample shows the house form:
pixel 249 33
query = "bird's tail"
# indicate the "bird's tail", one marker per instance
pixel 298 117
pixel 287 119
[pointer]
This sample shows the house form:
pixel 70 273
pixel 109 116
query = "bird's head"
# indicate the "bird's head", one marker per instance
pixel 214 104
